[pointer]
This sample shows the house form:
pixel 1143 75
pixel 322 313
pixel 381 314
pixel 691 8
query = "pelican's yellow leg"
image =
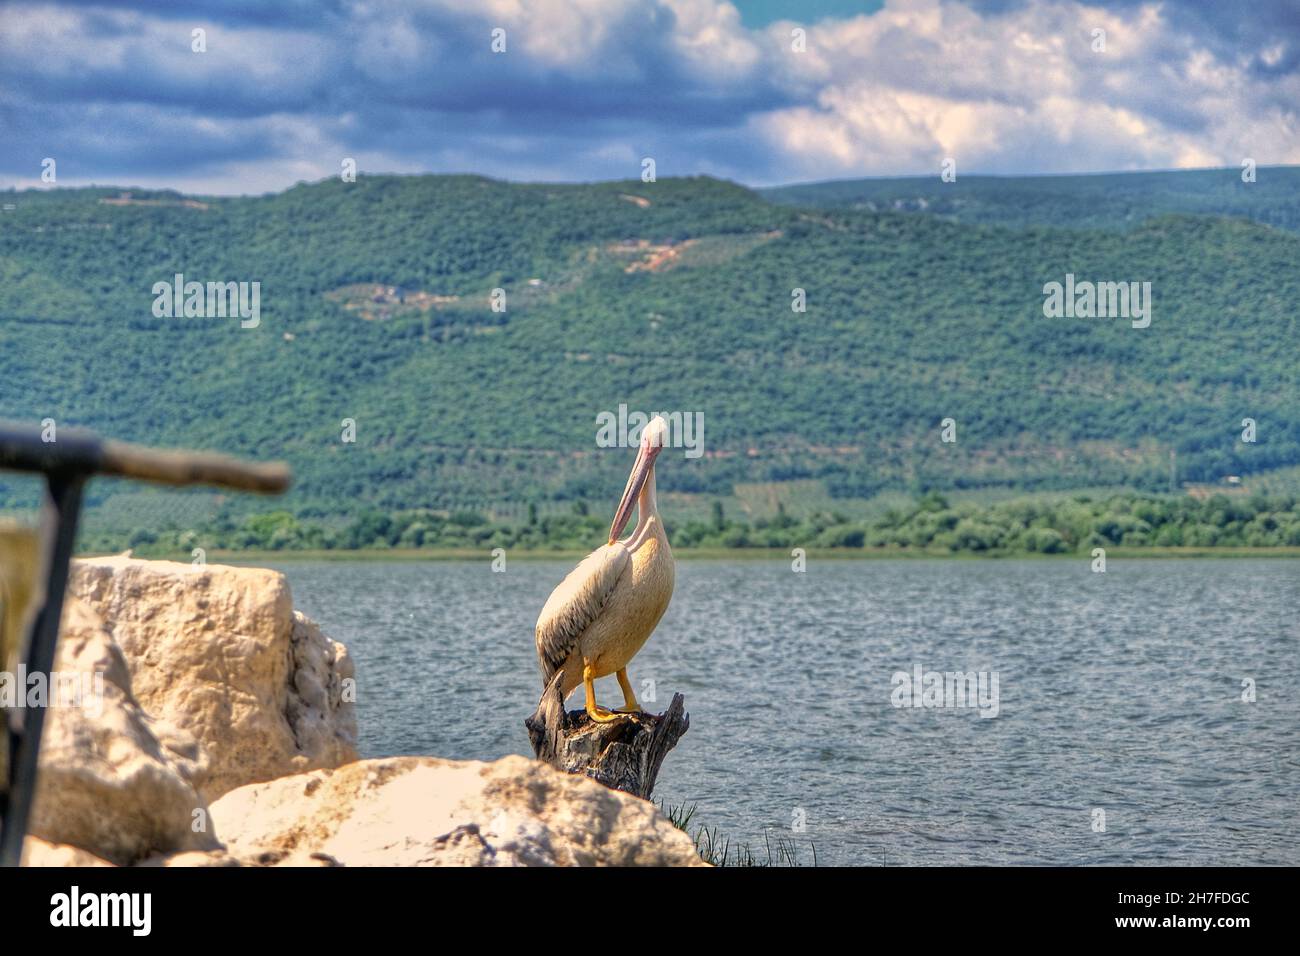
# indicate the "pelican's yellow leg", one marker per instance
pixel 630 706
pixel 599 714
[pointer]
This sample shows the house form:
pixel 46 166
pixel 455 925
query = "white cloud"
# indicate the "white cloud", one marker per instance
pixel 923 80
pixel 587 86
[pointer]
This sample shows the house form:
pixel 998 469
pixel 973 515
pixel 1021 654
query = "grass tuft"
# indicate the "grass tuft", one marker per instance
pixel 719 850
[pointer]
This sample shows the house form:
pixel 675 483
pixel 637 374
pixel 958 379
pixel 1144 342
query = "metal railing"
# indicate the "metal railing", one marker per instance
pixel 67 464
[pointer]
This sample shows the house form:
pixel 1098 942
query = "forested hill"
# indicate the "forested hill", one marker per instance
pixel 376 306
pixel 1097 201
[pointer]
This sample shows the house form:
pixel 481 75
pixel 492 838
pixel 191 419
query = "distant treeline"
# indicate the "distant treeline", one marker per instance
pixel 1116 201
pixel 930 524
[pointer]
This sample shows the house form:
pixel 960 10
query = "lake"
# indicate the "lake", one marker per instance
pixel 1121 735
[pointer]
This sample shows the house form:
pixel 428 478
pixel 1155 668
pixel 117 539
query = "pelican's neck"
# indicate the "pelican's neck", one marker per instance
pixel 647 513
pixel 646 504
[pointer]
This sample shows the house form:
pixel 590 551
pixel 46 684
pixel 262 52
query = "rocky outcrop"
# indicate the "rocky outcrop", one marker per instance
pixel 193 859
pixel 220 652
pixel 221 733
pixel 112 779
pixel 38 852
pixel 423 811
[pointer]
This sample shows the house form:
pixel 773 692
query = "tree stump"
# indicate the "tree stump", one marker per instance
pixel 623 754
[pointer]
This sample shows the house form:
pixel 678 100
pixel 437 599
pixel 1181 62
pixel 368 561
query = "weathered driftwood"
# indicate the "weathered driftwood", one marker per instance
pixel 624 754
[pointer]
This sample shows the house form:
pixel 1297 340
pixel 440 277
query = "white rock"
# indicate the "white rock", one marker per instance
pixel 220 652
pixel 423 811
pixel 193 859
pixel 38 852
pixel 112 780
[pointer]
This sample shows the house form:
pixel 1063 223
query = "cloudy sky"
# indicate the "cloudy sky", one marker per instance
pixel 115 93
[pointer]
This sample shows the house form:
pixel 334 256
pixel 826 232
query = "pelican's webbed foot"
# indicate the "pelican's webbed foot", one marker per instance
pixel 596 712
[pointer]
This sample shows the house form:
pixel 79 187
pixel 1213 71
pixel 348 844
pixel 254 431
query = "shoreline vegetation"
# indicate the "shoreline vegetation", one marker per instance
pixel 1127 525
pixel 717 849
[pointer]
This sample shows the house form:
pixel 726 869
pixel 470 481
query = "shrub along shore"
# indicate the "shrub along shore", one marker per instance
pixel 930 525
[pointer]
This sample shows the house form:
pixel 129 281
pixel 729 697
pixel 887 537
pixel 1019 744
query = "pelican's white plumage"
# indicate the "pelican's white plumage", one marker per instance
pixel 576 604
pixel 602 613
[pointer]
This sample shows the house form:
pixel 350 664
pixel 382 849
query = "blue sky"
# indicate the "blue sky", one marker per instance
pixel 759 13
pixel 586 89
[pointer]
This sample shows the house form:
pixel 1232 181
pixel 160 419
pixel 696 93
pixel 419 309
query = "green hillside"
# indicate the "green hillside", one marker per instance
pixel 673 295
pixel 1097 201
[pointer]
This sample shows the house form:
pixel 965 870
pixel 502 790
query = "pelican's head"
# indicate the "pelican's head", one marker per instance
pixel 653 438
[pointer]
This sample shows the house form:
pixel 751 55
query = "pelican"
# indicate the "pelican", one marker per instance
pixel 602 613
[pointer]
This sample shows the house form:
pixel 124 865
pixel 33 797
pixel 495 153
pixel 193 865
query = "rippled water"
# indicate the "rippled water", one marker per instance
pixel 1119 691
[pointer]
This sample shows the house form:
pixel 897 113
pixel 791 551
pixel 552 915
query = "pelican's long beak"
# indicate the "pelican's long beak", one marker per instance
pixel 645 461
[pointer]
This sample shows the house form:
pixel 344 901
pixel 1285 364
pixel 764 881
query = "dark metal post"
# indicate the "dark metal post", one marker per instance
pixel 67 464
pixel 59 529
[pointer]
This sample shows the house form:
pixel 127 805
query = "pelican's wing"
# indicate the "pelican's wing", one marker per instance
pixel 575 604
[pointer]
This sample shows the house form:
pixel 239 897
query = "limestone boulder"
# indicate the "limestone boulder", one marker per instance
pixel 112 780
pixel 38 852
pixel 192 859
pixel 424 811
pixel 221 653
